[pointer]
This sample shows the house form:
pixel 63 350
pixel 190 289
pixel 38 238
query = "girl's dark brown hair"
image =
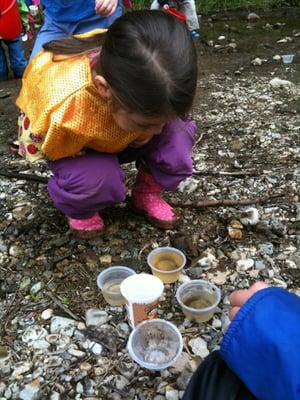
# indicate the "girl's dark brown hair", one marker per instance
pixel 148 59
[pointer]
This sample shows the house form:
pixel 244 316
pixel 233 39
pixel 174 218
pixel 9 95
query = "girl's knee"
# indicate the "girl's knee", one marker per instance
pixel 94 176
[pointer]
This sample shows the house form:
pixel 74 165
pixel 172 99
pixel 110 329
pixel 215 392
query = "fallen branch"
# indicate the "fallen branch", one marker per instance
pixel 226 202
pixel 228 173
pixel 26 177
pixel 61 305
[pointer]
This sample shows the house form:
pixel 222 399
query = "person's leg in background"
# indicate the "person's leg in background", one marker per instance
pixel 188 8
pixel 3 63
pixel 49 31
pixel 17 57
pixel 52 30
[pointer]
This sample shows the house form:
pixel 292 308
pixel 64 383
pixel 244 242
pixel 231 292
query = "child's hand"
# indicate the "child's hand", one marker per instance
pixel 239 297
pixel 105 7
pixel 166 7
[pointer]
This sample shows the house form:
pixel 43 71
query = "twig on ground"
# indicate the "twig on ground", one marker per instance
pixel 61 305
pixel 228 173
pixel 26 177
pixel 226 202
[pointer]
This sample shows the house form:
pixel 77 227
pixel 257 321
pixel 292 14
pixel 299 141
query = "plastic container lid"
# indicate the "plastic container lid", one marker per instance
pixel 142 288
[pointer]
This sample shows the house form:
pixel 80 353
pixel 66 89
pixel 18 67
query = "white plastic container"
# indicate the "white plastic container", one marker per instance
pixel 155 344
pixel 142 293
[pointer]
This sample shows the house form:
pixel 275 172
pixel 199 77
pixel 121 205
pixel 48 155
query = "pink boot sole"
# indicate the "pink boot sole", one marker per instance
pixel 87 228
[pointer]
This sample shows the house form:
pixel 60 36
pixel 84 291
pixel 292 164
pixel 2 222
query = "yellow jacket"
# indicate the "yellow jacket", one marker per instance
pixel 65 109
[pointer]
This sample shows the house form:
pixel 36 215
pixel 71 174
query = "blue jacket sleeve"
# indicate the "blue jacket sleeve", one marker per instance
pixel 262 345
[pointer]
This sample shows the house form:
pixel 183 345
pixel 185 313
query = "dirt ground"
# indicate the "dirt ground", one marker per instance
pixel 248 147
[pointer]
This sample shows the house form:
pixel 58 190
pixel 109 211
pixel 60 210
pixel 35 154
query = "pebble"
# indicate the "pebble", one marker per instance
pixel 21 368
pixel 47 314
pixel 95 348
pixel 253 17
pixel 244 264
pixel 260 265
pixel 36 288
pixel 171 394
pixel 266 248
pixel 199 347
pixel 180 363
pixel 31 390
pixel 95 317
pixel 65 326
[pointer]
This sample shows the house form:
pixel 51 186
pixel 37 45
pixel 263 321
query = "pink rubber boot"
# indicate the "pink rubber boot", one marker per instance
pixel 147 201
pixel 87 228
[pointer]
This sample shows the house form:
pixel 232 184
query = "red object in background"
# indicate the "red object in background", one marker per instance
pixel 176 13
pixel 10 20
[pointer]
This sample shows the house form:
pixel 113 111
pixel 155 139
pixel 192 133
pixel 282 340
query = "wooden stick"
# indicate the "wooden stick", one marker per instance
pixel 61 305
pixel 226 202
pixel 26 177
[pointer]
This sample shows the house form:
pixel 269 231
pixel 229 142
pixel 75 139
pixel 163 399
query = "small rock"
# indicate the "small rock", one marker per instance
pixel 278 83
pixel 257 61
pixel 180 363
pixel 79 388
pixel 21 368
pixel 76 353
pixel 65 326
pixel 106 259
pixel 95 348
pixel 95 317
pixel 199 347
pixel 266 248
pixel 217 324
pixel 260 265
pixel 33 333
pixel 218 277
pixel 252 17
pixel 47 314
pixel 277 57
pixel 16 250
pixel 31 390
pixel 25 283
pixel 189 185
pixel 244 264
pixel 54 396
pixel 221 38
pixel 171 394
pixel 251 216
pixel 85 366
pixel 36 288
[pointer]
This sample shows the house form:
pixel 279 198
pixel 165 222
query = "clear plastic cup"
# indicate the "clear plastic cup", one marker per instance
pixel 109 282
pixel 155 344
pixel 287 58
pixel 142 293
pixel 166 263
pixel 198 299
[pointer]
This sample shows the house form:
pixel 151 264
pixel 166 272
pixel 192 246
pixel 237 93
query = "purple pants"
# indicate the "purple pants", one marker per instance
pixel 88 183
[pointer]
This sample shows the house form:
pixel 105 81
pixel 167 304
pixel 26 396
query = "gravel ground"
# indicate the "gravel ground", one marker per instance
pixel 240 223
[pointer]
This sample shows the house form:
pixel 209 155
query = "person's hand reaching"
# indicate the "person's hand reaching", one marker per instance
pixel 239 297
pixel 105 7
